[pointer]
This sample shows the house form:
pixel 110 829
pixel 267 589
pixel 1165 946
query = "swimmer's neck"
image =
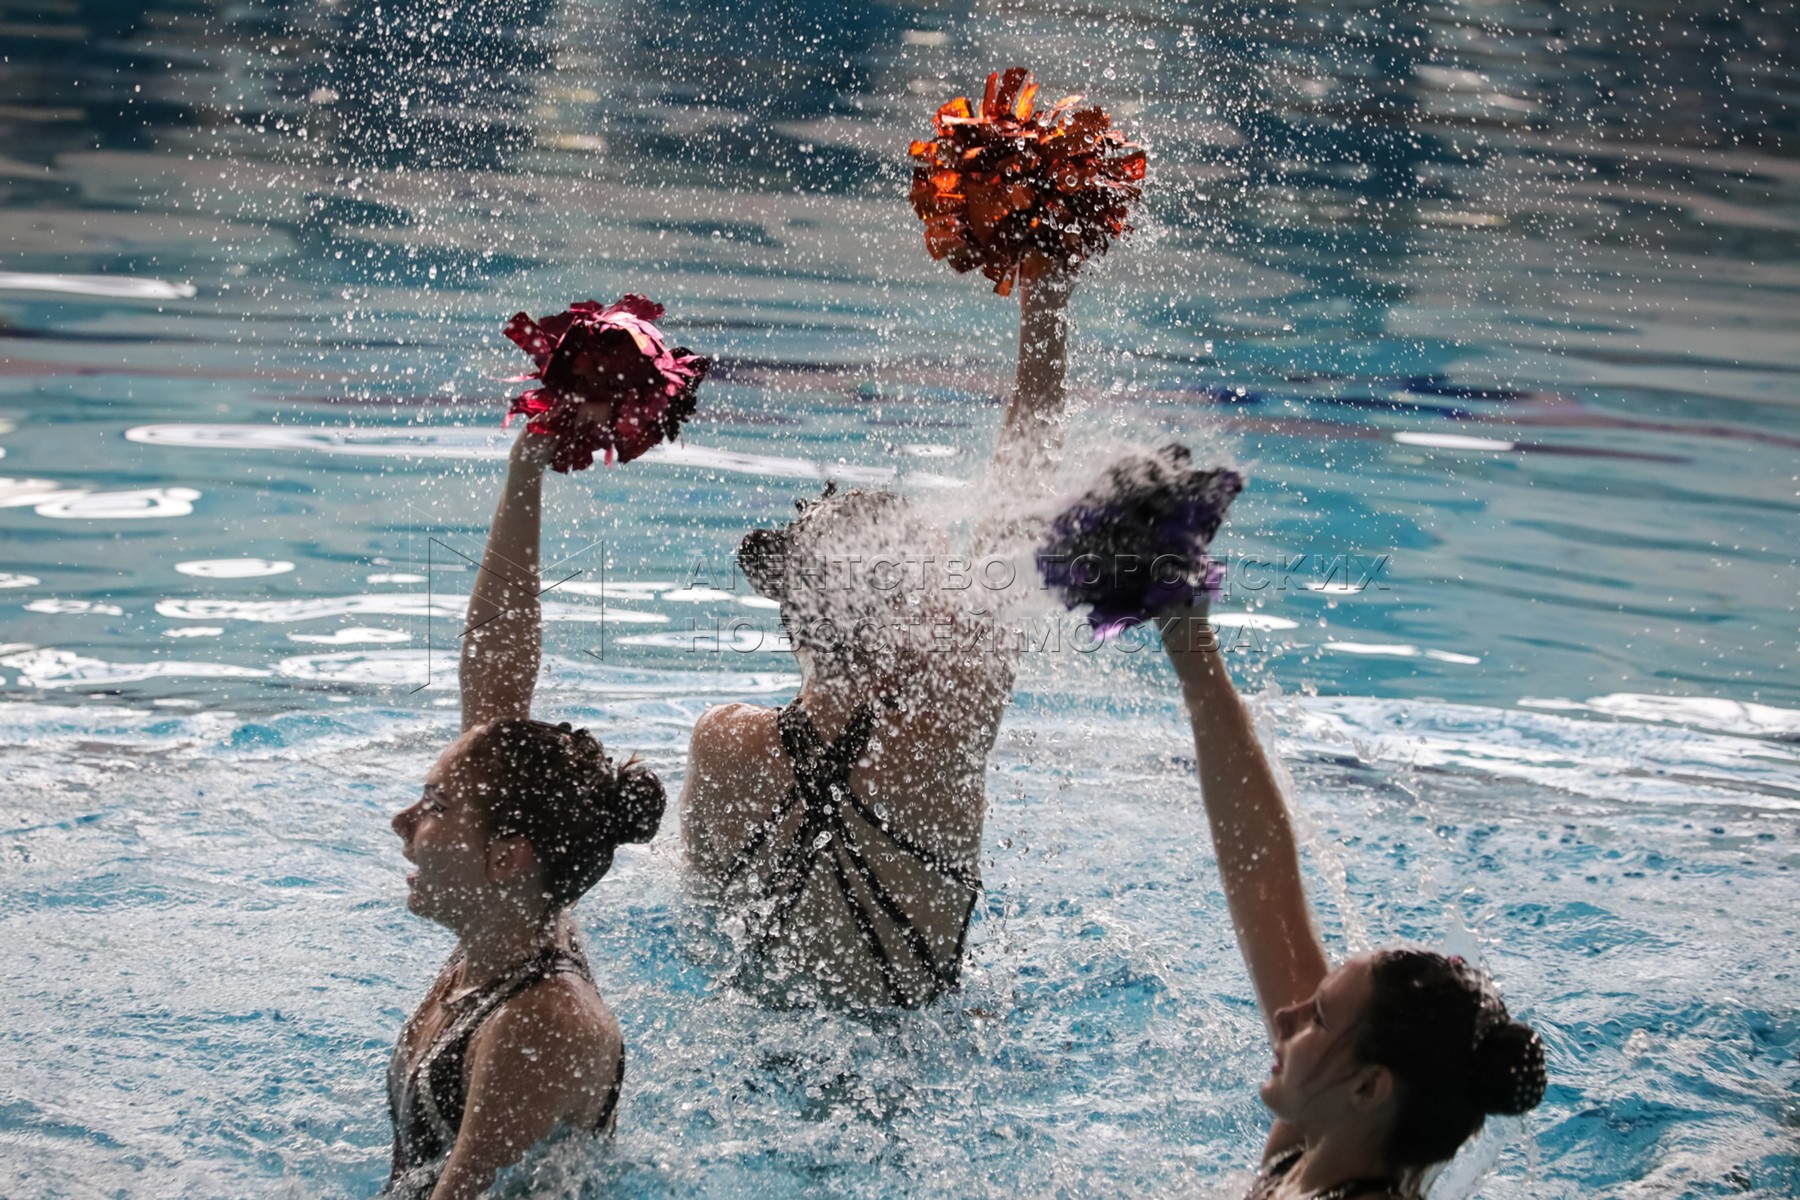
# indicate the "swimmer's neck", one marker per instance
pixel 506 939
pixel 829 698
pixel 829 701
pixel 1334 1158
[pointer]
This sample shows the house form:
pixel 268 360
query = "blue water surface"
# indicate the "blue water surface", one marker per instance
pixel 1495 304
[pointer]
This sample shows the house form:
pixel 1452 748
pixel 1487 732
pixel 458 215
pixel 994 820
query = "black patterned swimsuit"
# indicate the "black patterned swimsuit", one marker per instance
pixel 832 845
pixel 426 1098
pixel 1275 1170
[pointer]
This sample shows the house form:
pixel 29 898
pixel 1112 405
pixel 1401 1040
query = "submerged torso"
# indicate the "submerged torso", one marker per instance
pixel 860 897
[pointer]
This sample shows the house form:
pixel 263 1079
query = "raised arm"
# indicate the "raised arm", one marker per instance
pixel 1031 432
pixel 1259 862
pixel 503 635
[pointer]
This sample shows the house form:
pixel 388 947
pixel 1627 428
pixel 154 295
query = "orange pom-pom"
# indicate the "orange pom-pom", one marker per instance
pixel 1016 193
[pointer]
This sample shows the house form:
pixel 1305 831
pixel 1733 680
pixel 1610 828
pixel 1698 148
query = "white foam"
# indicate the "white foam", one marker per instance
pixel 1613 760
pixel 446 606
pixel 376 667
pixel 1703 712
pixel 194 631
pixel 708 641
pixel 600 614
pixel 114 287
pixel 1400 650
pixel 641 590
pixel 698 595
pixel 1244 620
pixel 290 611
pixel 10 580
pixel 65 668
pixel 23 493
pixel 420 668
pixel 234 568
pixel 114 506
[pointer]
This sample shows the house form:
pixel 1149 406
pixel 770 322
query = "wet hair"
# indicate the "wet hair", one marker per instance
pixel 846 619
pixel 556 787
pixel 1456 1055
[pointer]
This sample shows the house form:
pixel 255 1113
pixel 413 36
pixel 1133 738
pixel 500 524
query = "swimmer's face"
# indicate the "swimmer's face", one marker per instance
pixel 443 834
pixel 1316 1082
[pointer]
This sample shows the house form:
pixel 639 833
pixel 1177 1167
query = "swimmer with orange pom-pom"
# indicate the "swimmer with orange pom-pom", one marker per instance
pixel 842 833
pixel 1025 197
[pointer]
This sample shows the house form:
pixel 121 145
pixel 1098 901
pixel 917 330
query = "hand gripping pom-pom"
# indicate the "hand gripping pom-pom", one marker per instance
pixel 613 354
pixel 1016 193
pixel 1135 544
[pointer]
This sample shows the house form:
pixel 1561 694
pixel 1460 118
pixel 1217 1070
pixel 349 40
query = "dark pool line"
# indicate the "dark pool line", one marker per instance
pixel 1569 414
pixel 1598 452
pixel 18 333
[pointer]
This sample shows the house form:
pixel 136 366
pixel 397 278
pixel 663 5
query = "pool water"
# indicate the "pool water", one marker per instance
pixel 1494 304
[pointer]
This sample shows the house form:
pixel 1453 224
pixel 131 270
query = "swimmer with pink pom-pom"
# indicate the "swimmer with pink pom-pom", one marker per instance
pixel 518 819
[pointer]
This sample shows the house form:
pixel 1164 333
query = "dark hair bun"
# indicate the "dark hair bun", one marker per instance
pixel 638 804
pixel 627 800
pixel 555 786
pixel 762 556
pixel 1510 1074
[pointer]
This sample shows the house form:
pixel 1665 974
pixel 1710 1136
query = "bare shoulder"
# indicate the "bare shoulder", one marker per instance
pixel 551 1054
pixel 564 1011
pixel 733 778
pixel 732 729
pixel 561 1035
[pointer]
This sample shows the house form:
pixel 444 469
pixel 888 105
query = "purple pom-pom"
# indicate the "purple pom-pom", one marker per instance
pixel 1135 544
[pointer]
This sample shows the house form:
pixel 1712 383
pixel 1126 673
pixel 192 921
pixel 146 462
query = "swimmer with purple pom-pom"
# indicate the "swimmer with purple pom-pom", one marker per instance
pixel 1384 1065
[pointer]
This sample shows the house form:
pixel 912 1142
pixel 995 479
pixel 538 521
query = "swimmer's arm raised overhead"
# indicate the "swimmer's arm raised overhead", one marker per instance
pixel 1031 432
pixel 503 636
pixel 542 1061
pixel 1259 861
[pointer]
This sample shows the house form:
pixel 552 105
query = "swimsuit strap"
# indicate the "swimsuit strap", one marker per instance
pixel 822 785
pixel 426 1099
pixel 821 779
pixel 821 767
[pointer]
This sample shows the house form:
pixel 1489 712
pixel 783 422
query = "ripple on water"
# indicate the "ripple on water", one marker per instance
pixel 493 443
pixel 115 287
pixel 49 499
pixel 45 668
pixel 234 568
